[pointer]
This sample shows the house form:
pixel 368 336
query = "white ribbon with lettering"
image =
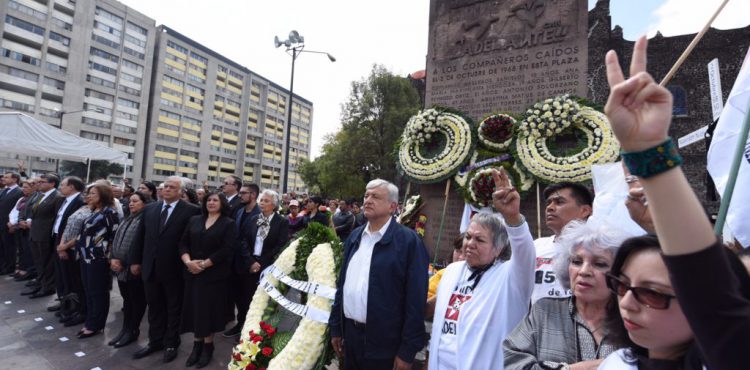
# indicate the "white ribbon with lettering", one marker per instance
pixel 311 313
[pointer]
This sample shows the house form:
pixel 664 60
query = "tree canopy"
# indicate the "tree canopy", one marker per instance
pixel 372 120
pixel 99 169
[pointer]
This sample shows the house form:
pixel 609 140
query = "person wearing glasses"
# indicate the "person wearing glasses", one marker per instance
pixel 684 291
pixel 569 332
pixel 231 190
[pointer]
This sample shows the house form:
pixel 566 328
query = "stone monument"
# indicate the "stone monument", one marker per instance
pixel 488 56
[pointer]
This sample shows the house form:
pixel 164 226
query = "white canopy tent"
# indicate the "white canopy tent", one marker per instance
pixel 21 134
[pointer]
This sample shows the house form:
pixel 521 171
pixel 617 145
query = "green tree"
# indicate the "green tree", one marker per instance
pixel 372 120
pixel 99 169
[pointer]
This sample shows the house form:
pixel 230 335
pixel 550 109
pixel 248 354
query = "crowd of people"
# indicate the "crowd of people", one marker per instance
pixel 176 249
pixel 587 297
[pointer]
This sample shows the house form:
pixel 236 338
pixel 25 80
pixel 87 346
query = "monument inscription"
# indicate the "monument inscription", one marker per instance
pixel 503 55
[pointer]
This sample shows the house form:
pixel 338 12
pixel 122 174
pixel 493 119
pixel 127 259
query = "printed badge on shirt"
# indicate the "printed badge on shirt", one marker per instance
pixel 460 296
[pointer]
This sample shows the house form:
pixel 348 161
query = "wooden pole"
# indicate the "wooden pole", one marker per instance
pixel 538 212
pixel 406 193
pixel 692 45
pixel 442 220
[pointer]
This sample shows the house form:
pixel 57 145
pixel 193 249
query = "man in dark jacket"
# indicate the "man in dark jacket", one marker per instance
pixel 8 198
pixel 377 318
pixel 43 214
pixel 155 255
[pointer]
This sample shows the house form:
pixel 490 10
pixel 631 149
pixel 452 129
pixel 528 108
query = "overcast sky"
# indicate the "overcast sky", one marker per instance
pixel 360 33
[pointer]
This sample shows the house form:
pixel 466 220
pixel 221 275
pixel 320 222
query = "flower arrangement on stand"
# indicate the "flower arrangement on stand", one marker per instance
pixel 475 179
pixel 420 225
pixel 548 120
pixel 435 144
pixel 496 131
pixel 319 253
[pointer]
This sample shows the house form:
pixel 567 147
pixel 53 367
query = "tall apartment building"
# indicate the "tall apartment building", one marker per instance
pixel 105 72
pixel 211 117
pixel 83 66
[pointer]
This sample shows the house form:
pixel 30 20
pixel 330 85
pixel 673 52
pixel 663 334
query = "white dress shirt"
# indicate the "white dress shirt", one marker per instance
pixel 170 210
pixel 258 247
pixel 357 283
pixel 61 212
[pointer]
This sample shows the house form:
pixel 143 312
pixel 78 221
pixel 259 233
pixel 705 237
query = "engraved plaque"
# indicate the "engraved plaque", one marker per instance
pixel 504 55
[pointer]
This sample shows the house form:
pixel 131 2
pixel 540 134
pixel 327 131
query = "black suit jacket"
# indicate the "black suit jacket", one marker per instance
pixel 278 235
pixel 74 205
pixel 43 217
pixel 234 203
pixel 7 202
pixel 156 248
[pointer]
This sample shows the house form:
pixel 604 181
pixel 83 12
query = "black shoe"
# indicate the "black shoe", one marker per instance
pixel 117 337
pixel 170 354
pixel 208 353
pixel 84 335
pixel 195 354
pixel 77 319
pixel 54 308
pixel 127 338
pixel 147 350
pixel 42 294
pixel 33 283
pixel 23 277
pixel 32 291
pixel 234 331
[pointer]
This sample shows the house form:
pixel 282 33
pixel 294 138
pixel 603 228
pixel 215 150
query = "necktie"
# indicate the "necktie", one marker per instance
pixel 38 201
pixel 163 217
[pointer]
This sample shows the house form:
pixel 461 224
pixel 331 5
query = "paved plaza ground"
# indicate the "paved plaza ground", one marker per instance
pixel 32 338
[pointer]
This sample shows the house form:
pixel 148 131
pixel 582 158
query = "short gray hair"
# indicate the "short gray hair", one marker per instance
pixel 178 179
pixel 392 189
pixel 498 234
pixel 594 237
pixel 274 196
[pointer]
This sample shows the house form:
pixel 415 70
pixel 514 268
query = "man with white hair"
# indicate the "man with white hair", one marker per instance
pixel 377 318
pixel 155 256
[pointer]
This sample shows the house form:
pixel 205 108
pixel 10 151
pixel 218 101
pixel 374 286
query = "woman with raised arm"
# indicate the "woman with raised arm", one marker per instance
pixel 714 301
pixel 481 299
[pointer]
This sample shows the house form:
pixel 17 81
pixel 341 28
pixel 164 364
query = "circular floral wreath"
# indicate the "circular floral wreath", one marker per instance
pixel 305 346
pixel 546 120
pixel 434 145
pixel 475 179
pixel 496 131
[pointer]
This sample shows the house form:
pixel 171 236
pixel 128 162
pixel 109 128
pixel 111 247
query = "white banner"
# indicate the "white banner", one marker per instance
pixel 721 154
pixel 311 313
pixel 303 286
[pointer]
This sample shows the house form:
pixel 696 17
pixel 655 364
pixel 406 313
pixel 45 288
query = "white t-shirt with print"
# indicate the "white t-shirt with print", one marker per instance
pixel 545 281
pixel 448 340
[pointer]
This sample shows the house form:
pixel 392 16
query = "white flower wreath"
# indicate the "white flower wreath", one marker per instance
pixel 494 119
pixel 419 131
pixel 601 144
pixel 306 345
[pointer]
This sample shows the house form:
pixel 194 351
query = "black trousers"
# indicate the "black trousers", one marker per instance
pixel 133 303
pixel 25 261
pixel 9 249
pixel 164 299
pixel 67 273
pixel 241 290
pixel 354 350
pixel 44 258
pixel 96 281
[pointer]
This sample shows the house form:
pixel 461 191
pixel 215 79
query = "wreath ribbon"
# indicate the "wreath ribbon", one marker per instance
pixel 303 286
pixel 483 163
pixel 301 310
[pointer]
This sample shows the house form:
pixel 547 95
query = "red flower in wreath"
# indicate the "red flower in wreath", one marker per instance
pixel 251 367
pixel 267 351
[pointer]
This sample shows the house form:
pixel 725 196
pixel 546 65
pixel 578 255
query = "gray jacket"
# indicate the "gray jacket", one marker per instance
pixel 551 334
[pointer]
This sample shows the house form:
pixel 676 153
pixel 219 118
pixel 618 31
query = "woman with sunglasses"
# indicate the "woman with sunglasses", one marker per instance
pixel 647 320
pixel 709 282
pixel 569 332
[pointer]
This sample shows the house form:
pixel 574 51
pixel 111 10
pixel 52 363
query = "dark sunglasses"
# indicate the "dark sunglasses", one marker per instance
pixel 645 296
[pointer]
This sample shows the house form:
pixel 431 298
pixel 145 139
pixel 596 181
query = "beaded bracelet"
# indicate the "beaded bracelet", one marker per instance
pixel 653 161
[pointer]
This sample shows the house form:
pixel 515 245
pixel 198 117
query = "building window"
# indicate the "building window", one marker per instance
pixel 128 103
pixel 177 47
pixel 99 95
pixel 56 67
pixel 137 29
pixel 198 57
pixel 125 129
pixel 20 57
pixel 105 41
pixel 94 136
pixel 19 73
pixel 103 54
pixel 167 149
pixel 132 65
pixel 134 53
pixel 135 41
pixel 108 15
pixel 111 30
pixel 60 38
pixel 24 25
pixel 102 68
pixel 123 141
pixel 12 4
pixel 679 96
pixel 99 81
pixel 131 78
pixel 96 123
pixel 129 90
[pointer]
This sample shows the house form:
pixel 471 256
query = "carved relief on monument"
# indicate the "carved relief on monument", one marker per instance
pixel 497 55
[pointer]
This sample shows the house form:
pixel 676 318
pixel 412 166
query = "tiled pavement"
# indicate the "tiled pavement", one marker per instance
pixel 32 338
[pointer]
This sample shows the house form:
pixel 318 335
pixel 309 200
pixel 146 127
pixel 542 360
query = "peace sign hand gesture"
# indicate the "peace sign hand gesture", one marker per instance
pixel 639 110
pixel 505 199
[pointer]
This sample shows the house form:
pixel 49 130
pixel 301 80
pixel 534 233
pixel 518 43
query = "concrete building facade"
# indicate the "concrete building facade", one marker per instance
pixel 105 72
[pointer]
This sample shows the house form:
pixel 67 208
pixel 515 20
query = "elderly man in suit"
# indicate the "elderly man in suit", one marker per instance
pixel 8 199
pixel 43 213
pixel 155 256
pixel 377 318
pixel 231 189
pixel 67 270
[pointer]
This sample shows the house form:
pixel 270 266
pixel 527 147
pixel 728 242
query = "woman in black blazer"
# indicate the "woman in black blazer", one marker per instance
pixel 268 232
pixel 206 249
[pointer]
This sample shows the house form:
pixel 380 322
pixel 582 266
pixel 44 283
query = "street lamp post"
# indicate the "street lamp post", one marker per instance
pixel 296 44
